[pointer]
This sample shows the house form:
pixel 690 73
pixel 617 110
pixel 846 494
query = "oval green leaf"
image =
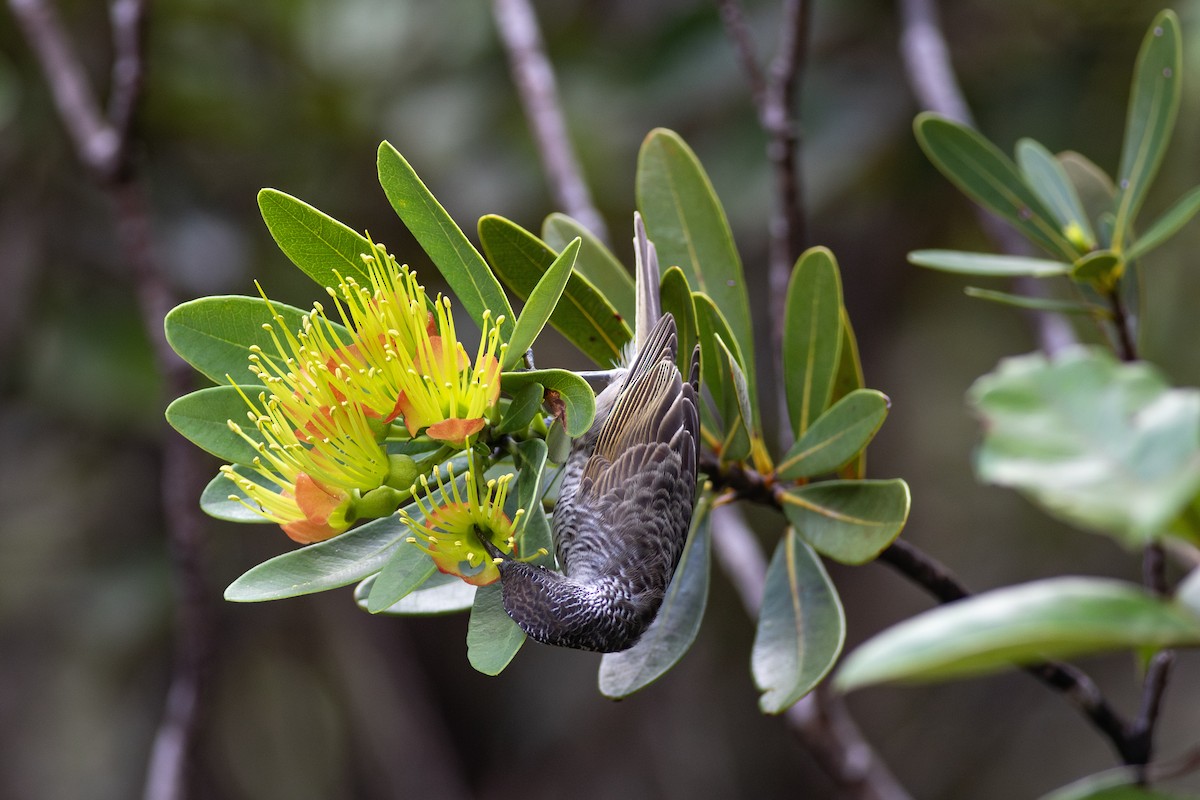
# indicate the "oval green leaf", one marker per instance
pixel 674 630
pixel 335 562
pixel 837 436
pixel 812 338
pixel 215 334
pixel 801 627
pixel 596 262
pixel 689 229
pixel 848 521
pixel 676 299
pixel 318 244
pixel 540 305
pixel 990 178
pixel 203 418
pixel 576 394
pixel 440 594
pixel 1054 618
pixel 493 639
pixel 987 264
pixel 1153 104
pixel 469 277
pixel 1037 303
pixel 583 315
pixel 215 499
pixel 406 571
pixel 524 406
pixel 1046 176
pixel 1107 446
pixel 535 527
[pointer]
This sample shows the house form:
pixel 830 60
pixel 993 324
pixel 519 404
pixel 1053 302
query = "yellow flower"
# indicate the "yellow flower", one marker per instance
pixel 451 526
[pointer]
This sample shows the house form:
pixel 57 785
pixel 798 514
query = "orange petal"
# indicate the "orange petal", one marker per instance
pixel 307 532
pixel 455 432
pixel 317 502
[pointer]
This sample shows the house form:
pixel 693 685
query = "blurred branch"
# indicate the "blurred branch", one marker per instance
pixel 820 719
pixel 102 145
pixel 775 97
pixel 534 78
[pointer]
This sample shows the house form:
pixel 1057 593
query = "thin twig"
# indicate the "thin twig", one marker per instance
pixel 102 145
pixel 820 720
pixel 534 79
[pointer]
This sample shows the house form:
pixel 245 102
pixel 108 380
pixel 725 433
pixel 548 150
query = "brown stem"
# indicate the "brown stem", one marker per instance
pixel 533 75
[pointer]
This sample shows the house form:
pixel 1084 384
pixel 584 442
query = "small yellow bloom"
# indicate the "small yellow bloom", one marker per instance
pixel 451 526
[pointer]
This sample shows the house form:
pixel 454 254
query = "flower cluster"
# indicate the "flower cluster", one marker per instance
pixel 452 528
pixel 335 392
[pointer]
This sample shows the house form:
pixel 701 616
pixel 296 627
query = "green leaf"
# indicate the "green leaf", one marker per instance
pixel 441 594
pixel 203 418
pixel 848 521
pixel 1107 446
pixel 215 502
pixel 712 325
pixel 492 637
pixel 1113 784
pixel 689 229
pixel 535 528
pixel 468 275
pixel 736 410
pixel 996 266
pixel 524 406
pixel 583 315
pixel 318 244
pixel 540 305
pixel 596 262
pixel 1037 303
pixel 325 565
pixel 990 178
pixel 1166 226
pixel 676 299
pixel 812 338
pixel 674 630
pixel 1094 187
pixel 215 334
pixel 406 571
pixel 1046 176
pixel 801 627
pixel 1153 104
pixel 1101 268
pixel 849 378
pixel 837 436
pixel 574 391
pixel 1054 618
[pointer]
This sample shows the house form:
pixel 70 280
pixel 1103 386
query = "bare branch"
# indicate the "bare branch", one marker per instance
pixel 102 146
pixel 534 78
pixel 96 143
pixel 743 45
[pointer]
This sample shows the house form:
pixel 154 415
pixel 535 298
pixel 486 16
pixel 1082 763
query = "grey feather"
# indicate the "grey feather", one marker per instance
pixel 623 511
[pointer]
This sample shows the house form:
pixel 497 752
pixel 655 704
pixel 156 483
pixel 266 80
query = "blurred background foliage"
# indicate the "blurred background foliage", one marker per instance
pixel 310 698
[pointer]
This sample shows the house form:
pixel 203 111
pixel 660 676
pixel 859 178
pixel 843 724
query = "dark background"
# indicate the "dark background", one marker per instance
pixel 311 698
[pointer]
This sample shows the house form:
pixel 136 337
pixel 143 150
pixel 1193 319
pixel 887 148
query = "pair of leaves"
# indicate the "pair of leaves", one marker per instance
pixel 1053 618
pixel 1107 446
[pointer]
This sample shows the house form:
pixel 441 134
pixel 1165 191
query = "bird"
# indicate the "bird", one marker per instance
pixel 626 498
